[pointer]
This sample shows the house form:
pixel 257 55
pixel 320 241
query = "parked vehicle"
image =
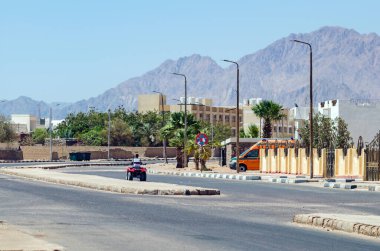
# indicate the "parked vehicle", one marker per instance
pixel 250 158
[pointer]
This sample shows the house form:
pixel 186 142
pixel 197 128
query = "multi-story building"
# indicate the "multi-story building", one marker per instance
pixel 26 123
pixel 361 116
pixel 152 102
pixel 201 108
pixel 283 128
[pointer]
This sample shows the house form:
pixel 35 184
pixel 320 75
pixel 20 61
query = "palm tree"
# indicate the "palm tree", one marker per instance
pixel 201 154
pixel 175 131
pixel 204 155
pixel 269 111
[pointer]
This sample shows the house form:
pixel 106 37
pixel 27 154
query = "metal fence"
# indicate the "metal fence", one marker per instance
pixel 330 161
pixel 373 159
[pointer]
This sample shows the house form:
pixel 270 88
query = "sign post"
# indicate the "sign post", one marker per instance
pixel 201 140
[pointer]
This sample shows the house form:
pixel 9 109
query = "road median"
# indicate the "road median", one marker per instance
pixel 361 224
pixel 107 184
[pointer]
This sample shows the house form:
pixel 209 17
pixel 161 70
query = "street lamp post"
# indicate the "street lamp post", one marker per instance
pixel 109 134
pixel 185 134
pixel 237 114
pixel 162 125
pixel 50 134
pixel 311 106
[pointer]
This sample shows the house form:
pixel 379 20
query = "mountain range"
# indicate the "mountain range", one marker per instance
pixel 346 65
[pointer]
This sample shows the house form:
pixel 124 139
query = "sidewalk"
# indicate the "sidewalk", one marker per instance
pixel 361 224
pixel 12 239
pixel 107 184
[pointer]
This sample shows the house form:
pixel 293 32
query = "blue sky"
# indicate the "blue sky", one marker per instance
pixel 70 50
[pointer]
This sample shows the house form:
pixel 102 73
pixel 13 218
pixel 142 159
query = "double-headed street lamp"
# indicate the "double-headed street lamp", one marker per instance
pixel 185 134
pixel 162 124
pixel 311 106
pixel 237 114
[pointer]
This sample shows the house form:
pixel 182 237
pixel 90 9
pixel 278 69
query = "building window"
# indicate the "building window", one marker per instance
pixel 227 118
pixel 233 119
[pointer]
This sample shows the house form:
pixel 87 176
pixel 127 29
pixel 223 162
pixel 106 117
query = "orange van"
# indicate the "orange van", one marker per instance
pixel 250 158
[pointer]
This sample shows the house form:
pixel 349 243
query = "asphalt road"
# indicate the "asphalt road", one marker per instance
pixel 247 216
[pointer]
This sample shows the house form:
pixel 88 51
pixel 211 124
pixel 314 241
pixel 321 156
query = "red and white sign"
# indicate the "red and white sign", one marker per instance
pixel 201 139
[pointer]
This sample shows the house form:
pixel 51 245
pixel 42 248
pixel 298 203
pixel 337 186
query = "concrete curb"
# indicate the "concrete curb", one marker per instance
pixel 207 175
pixel 343 180
pixel 374 188
pixel 339 185
pixel 108 184
pixel 335 224
pixel 287 180
pixel 28 161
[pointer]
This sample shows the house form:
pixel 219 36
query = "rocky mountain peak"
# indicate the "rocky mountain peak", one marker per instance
pixel 346 64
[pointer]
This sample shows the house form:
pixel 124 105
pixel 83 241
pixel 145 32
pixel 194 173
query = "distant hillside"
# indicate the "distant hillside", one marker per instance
pixel 346 65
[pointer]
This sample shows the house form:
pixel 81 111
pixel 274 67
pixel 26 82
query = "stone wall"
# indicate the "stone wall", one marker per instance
pixel 62 152
pixel 350 166
pixel 11 155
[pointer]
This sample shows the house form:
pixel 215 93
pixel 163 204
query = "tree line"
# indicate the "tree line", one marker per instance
pixel 151 128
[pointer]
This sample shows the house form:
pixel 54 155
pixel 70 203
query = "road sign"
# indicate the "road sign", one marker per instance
pixel 201 139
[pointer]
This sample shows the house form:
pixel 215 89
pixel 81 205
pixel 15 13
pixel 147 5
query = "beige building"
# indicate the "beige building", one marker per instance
pixel 280 129
pixel 201 108
pixel 152 102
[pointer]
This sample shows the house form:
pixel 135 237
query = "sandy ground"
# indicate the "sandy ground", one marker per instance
pixel 213 166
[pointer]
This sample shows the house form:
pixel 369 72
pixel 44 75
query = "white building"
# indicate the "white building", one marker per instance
pixel 361 116
pixel 299 115
pixel 24 123
pixel 54 123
